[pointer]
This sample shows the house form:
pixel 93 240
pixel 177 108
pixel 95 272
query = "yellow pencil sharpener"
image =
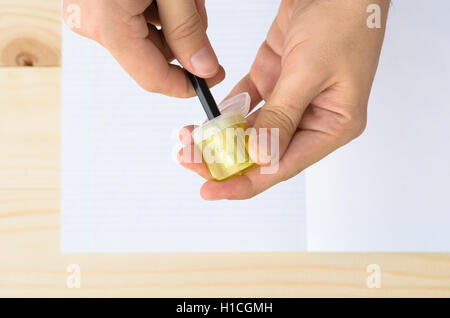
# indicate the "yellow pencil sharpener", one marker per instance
pixel 223 143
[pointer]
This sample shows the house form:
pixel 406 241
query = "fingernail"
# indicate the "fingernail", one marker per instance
pixel 239 103
pixel 204 62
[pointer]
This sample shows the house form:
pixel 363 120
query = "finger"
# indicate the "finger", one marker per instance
pixel 130 41
pixel 144 61
pixel 322 132
pixel 185 135
pixel 190 158
pixel 134 7
pixel 297 86
pixel 185 32
pixel 246 85
pixel 316 145
pixel 265 70
pixel 202 11
pixel 240 187
pixel 158 39
pixel 262 77
pixel 151 14
pixel 307 147
pixel 78 16
pixel 252 118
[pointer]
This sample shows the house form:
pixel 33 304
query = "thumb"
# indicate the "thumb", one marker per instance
pixel 278 120
pixel 184 29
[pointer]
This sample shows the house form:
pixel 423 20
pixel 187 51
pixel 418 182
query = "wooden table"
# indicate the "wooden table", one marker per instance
pixel 30 261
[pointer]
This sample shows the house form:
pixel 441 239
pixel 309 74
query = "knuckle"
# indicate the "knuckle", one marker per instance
pixel 276 117
pixel 188 91
pixel 360 127
pixel 353 126
pixel 83 19
pixel 95 33
pixel 150 86
pixel 188 27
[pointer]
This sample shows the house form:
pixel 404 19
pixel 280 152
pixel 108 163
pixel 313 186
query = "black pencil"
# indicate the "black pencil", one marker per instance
pixel 205 96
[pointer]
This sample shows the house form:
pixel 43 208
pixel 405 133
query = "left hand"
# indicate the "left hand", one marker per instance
pixel 145 36
pixel 314 71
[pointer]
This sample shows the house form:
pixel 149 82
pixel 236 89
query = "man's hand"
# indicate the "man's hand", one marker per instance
pixel 128 29
pixel 315 72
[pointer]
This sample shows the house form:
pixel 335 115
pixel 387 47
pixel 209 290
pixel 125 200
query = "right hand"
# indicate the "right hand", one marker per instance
pixel 128 29
pixel 314 71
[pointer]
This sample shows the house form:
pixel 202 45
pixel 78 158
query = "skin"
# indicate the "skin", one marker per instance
pixel 314 73
pixel 129 30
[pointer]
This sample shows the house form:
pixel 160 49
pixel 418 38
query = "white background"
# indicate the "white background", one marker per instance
pixel 122 189
pixel 389 190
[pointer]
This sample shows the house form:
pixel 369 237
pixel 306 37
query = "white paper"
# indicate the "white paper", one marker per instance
pixel 390 189
pixel 122 189
pixel 386 191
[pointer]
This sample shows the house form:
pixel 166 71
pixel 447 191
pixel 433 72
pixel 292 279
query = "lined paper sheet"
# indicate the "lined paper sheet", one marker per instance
pixel 122 189
pixel 389 189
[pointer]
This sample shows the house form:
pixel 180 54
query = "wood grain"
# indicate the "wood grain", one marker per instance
pixel 30 261
pixel 30 33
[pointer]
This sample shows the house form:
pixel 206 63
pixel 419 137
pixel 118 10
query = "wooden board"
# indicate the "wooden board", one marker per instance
pixel 30 32
pixel 30 261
